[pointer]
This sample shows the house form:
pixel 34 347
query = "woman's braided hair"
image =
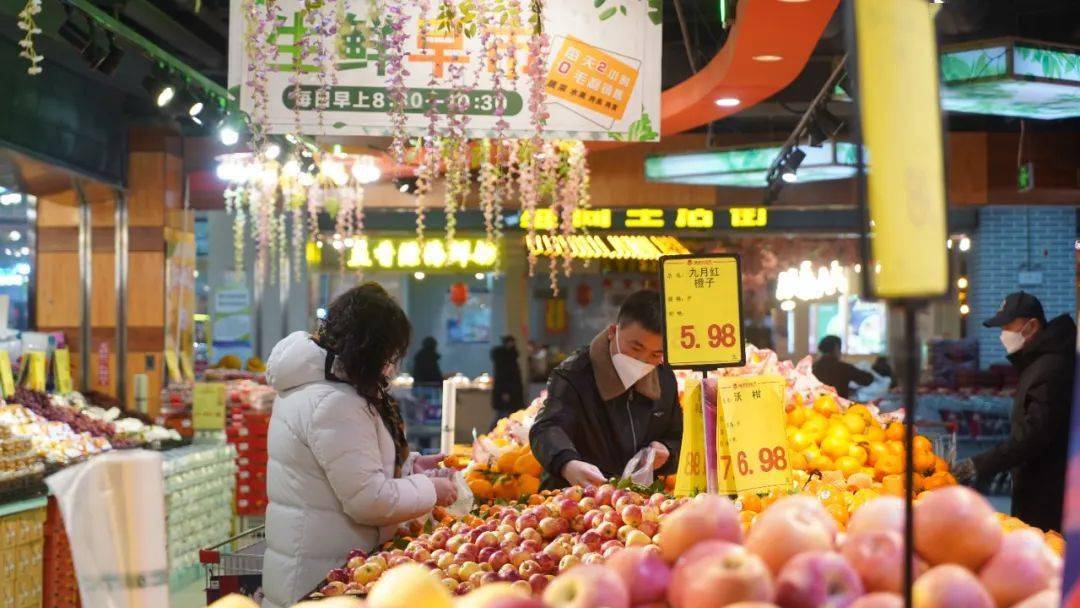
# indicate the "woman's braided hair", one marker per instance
pixel 365 330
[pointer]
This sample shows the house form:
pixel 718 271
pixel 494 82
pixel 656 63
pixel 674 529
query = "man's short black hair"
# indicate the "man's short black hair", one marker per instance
pixel 642 307
pixel 829 345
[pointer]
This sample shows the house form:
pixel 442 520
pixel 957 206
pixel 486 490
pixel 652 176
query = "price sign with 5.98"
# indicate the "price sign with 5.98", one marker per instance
pixel 702 298
pixel 751 446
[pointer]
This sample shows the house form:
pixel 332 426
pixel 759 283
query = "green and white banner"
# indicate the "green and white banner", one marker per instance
pixel 602 75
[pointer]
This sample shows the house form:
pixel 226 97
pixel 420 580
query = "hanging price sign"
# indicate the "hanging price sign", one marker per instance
pixel 751 446
pixel 172 367
pixel 702 301
pixel 33 370
pixel 208 409
pixel 62 371
pixel 691 478
pixel 7 378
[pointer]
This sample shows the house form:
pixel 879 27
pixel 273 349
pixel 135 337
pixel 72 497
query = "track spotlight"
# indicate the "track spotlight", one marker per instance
pixel 790 166
pixel 162 92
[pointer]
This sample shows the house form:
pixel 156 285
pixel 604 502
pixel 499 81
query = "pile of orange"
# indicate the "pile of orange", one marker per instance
pixel 514 473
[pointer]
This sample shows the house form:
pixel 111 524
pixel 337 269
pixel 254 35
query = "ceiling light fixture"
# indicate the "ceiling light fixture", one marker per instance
pixel 728 102
pixel 790 166
pixel 767 58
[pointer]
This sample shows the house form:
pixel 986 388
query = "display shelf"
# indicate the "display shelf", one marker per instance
pixel 19 506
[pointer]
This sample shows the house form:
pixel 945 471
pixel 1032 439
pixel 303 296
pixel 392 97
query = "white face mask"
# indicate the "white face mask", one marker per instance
pixel 630 370
pixel 1013 341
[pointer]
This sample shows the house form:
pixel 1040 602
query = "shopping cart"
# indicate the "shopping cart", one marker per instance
pixel 235 565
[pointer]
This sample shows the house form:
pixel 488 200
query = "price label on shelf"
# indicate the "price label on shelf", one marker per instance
pixel 208 409
pixel 62 370
pixel 692 478
pixel 7 378
pixel 751 447
pixel 702 301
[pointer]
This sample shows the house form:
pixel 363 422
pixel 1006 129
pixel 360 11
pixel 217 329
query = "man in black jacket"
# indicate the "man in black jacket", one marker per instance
pixel 609 400
pixel 831 370
pixel 1037 449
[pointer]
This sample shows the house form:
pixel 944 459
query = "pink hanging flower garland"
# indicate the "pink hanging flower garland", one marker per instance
pixel 396 73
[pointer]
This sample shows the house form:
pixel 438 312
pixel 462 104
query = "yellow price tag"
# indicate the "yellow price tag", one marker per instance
pixel 7 378
pixel 187 368
pixel 702 301
pixel 62 370
pixel 208 409
pixel 692 477
pixel 172 366
pixel 751 447
pixel 33 377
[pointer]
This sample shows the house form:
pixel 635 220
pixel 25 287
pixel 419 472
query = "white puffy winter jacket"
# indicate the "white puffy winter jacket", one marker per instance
pixel 330 477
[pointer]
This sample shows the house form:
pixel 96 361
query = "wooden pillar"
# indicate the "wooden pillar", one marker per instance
pixel 57 289
pixel 154 200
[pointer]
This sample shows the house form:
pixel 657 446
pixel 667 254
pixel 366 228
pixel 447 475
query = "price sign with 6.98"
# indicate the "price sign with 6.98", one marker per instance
pixel 751 447
pixel 702 298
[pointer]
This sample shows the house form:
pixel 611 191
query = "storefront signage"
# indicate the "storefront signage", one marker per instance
pixel 601 78
pixel 651 218
pixel 410 254
pixel 609 247
pixel 751 448
pixel 208 407
pixel 702 301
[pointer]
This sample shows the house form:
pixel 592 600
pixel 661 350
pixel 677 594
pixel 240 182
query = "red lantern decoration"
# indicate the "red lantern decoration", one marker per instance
pixel 608 283
pixel 584 295
pixel 459 294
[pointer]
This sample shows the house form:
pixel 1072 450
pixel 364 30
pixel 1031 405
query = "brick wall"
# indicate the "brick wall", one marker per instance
pixel 998 255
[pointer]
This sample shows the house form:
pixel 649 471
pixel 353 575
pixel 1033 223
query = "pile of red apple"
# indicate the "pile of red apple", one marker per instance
pixel 794 556
pixel 529 543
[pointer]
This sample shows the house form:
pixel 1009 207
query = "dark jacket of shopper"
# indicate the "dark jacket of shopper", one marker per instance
pixel 1037 448
pixel 507 389
pixel 590 416
pixel 425 369
pixel 839 374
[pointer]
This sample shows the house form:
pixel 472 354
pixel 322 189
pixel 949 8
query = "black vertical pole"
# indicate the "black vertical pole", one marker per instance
pixel 911 379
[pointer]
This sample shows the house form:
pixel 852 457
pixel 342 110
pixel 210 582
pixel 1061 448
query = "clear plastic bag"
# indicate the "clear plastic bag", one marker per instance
pixel 464 503
pixel 640 468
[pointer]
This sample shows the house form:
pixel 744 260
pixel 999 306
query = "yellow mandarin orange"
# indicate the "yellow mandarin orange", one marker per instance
pixel 815 428
pixel 746 518
pixel 861 411
pixel 505 462
pixel 940 466
pixel 826 405
pixel 924 461
pixel 892 485
pixel 839 430
pixel 811 453
pixel 797 416
pixel 839 513
pixel 875 433
pixel 796 461
pixel 895 447
pixel 800 440
pixel 835 447
pixel 820 463
pixel 506 488
pixel 527 464
pixel 528 484
pixel 921 443
pixel 481 488
pixel 859 453
pixel 890 464
pixel 847 465
pixel 895 431
pixel 854 422
pixel 875 452
pixel 750 502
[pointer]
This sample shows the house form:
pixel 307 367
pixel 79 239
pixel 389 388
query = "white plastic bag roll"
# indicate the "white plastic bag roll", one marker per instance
pixel 114 513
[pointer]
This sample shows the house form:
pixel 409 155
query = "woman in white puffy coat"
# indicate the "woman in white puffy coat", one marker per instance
pixel 340 475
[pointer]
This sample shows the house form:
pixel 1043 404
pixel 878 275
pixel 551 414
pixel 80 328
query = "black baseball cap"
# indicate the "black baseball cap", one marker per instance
pixel 1017 305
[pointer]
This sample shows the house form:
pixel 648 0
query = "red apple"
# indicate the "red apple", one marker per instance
pixel 587 504
pixel 568 562
pixel 604 494
pixel 566 508
pixel 587 587
pixel 333 588
pixel 489 578
pixel 1022 567
pixel 546 562
pixel 637 538
pixel 531 545
pixel 1051 598
pixel 593 558
pixel 581 550
pixel 366 573
pixel 487 539
pixel 781 533
pixel 817 578
pixel 949 585
pixel 526 521
pixel 649 528
pixel 454 542
pixel 464 588
pixel 531 534
pixel 709 518
pixel 878 557
pixel 879 600
pixel 538 582
pixel 340 575
pixel 556 550
pixel 645 574
pixel 577 524
pixel 718 573
pixel 956 525
pixel 550 527
pixel 529 568
pixel 632 515
pixel 498 559
pixel 469 551
pixel 573 493
pixel 509 573
pixel 592 518
pixel 611 544
pixel 607 530
pixel 623 531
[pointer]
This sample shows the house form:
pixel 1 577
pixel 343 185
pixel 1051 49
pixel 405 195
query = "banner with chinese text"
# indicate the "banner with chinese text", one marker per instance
pixel 602 74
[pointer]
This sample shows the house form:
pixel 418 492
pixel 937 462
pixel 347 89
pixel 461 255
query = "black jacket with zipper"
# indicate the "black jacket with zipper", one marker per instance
pixel 578 423
pixel 1037 448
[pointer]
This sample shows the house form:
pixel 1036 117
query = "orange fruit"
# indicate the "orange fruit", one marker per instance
pixel 875 433
pixel 861 411
pixel 839 513
pixel 751 502
pixel 859 453
pixel 940 466
pixel 895 447
pixel 811 453
pixel 921 443
pixel 506 488
pixel 800 440
pixel 746 519
pixel 527 464
pixel 847 465
pixel 820 463
pixel 854 422
pixel 826 405
pixel 481 488
pixel 1055 542
pixel 892 484
pixel 890 464
pixel 796 461
pixel 797 416
pixel 895 431
pixel 835 447
pixel 839 430
pixel 924 461
pixel 528 484
pixel 505 462
pixel 876 451
pixel 815 428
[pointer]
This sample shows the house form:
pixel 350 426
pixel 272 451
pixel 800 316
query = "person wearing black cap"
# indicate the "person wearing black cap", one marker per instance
pixel 1044 354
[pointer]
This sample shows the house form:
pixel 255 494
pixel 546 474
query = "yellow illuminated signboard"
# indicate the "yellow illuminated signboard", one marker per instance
pixel 648 218
pixel 702 301
pixel 409 254
pixel 749 217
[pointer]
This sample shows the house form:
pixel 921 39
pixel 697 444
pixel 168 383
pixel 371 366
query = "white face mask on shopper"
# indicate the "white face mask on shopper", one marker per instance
pixel 630 370
pixel 1013 341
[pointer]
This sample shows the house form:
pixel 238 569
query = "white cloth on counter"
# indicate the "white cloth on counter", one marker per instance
pixel 330 477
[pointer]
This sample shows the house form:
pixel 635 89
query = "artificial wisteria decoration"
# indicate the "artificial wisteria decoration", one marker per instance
pixel 322 15
pixel 26 45
pixel 570 194
pixel 548 189
pixel 394 52
pixel 489 186
pixel 259 21
pixel 535 70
